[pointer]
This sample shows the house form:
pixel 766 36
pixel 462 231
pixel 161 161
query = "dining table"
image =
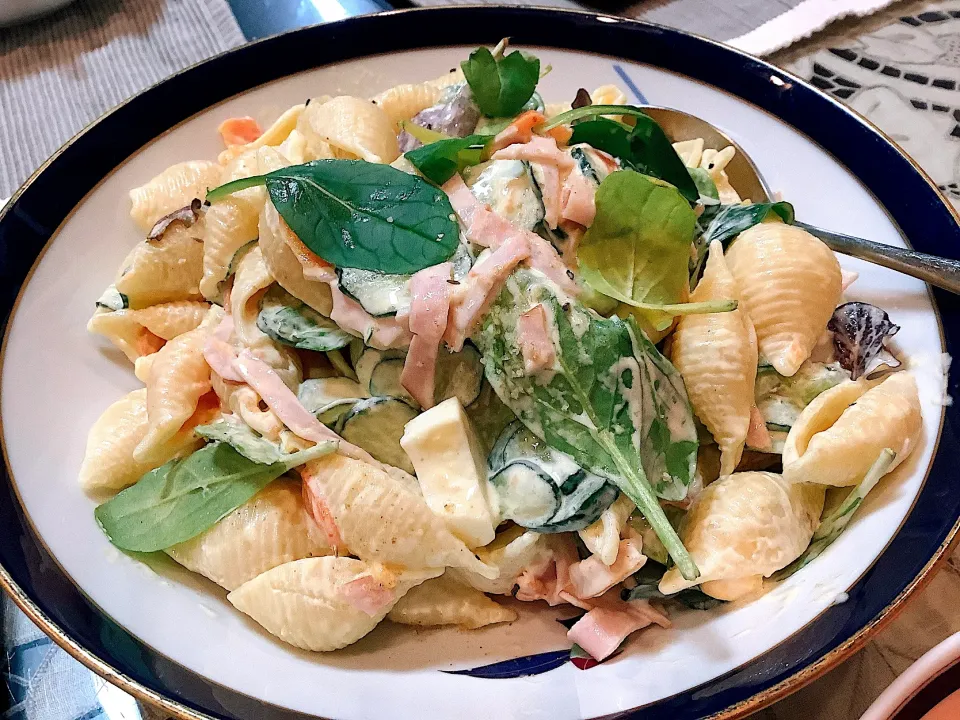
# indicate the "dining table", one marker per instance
pixel 897 64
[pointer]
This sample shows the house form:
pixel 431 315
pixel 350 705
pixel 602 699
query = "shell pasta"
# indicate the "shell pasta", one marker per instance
pixel 437 354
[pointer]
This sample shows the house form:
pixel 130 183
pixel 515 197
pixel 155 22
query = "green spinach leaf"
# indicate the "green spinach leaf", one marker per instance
pixel 438 161
pixel 638 248
pixel 725 222
pixel 645 147
pixel 181 499
pixel 833 524
pixel 356 214
pixel 501 86
pixel 287 320
pixel 614 403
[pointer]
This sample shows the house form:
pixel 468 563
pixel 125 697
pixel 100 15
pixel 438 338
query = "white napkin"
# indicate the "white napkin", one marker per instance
pixel 801 22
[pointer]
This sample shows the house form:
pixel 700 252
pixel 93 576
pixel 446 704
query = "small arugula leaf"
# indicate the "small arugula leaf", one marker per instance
pixel 647 581
pixel 611 401
pixel 356 214
pixel 833 524
pixel 230 429
pixel 438 161
pixel 287 320
pixel 501 86
pixel 638 248
pixel 725 222
pixel 181 499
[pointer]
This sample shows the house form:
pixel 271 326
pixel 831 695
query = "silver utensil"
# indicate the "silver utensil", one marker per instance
pixel 749 183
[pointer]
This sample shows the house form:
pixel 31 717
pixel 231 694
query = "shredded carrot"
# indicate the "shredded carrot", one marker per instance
pixel 519 131
pixel 561 133
pixel 148 343
pixel 239 131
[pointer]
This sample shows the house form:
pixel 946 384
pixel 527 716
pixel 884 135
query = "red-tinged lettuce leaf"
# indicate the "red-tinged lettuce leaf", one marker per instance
pixel 582 660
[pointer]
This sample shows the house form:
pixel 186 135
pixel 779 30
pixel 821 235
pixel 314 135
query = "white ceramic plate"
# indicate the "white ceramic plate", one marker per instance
pixel 57 379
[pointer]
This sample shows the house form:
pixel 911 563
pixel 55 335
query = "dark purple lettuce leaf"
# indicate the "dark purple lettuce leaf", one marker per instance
pixel 859 331
pixel 456 116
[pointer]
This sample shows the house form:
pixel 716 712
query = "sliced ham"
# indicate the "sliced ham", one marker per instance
pixel 367 594
pixel 536 344
pixel 591 578
pixel 279 398
pixel 578 199
pixel 542 150
pixel 485 228
pixel 549 578
pixel 383 333
pixel 220 356
pixel 480 288
pixel 601 631
pixel 757 434
pixel 429 307
pixel 609 621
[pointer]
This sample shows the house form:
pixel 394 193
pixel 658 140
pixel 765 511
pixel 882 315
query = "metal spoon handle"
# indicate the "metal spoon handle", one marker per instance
pixel 942 272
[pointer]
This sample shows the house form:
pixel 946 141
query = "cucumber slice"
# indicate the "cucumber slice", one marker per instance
pixel 509 188
pixel 287 320
pixel 376 425
pixel 459 375
pixel 583 496
pixel 781 399
pixel 380 294
pixel 385 381
pixel 526 496
pixel 330 398
pixel 367 363
pixel 113 299
pixel 588 163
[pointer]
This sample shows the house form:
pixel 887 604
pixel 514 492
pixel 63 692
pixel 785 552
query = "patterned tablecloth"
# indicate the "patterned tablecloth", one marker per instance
pixel 900 68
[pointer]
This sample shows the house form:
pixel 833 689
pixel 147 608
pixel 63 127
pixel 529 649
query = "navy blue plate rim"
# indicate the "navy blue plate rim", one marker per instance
pixel 40 587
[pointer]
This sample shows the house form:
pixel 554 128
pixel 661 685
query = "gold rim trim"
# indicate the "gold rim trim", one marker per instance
pixel 746 707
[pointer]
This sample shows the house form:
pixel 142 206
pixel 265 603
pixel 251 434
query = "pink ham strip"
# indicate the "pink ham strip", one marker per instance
pixel 590 578
pixel 220 356
pixel 601 631
pixel 548 579
pixel 381 333
pixel 609 621
pixel 540 150
pixel 367 595
pixel 534 340
pixel 279 398
pixel 757 434
pixel 320 513
pixel 484 227
pixel 578 199
pixel 480 288
pixel 428 321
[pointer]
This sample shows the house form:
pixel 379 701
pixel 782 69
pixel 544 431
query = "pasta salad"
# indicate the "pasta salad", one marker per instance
pixel 405 355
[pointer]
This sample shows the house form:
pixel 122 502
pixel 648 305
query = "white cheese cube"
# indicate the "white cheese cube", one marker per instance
pixel 452 470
